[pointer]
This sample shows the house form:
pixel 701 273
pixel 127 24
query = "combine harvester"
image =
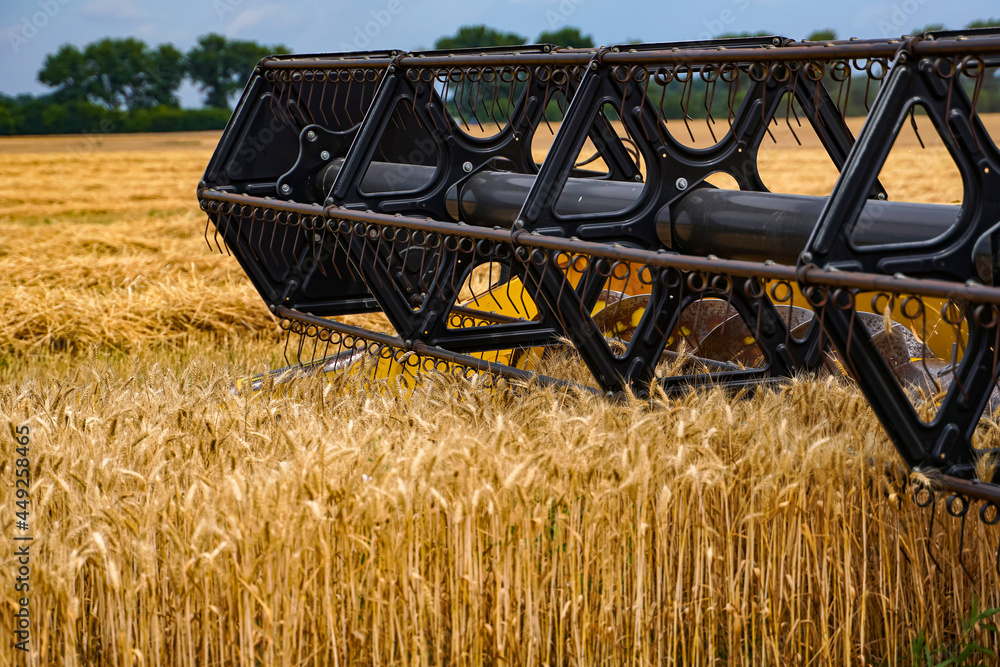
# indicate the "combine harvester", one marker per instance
pixel 512 211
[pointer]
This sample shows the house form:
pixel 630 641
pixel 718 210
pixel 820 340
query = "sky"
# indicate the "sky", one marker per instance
pixel 31 29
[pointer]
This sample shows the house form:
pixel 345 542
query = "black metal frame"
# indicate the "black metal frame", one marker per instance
pixel 347 245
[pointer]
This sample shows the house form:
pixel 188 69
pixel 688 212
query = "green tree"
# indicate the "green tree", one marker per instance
pixel 115 73
pixel 222 66
pixel 567 36
pixel 984 23
pixel 824 35
pixel 731 35
pixel 930 27
pixel 477 36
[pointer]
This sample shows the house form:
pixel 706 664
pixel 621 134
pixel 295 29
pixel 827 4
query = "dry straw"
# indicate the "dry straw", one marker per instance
pixel 339 524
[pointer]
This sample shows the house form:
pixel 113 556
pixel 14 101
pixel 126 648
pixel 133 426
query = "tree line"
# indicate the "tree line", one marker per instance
pixel 125 85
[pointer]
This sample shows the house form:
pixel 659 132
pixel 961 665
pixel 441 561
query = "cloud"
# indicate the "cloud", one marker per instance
pixel 251 17
pixel 112 9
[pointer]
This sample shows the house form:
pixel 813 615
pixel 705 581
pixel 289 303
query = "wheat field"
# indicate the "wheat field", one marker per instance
pixel 340 523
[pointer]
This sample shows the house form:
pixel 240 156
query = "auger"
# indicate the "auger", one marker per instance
pixel 423 186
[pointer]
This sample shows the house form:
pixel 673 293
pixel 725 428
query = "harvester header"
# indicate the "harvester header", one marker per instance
pixel 604 219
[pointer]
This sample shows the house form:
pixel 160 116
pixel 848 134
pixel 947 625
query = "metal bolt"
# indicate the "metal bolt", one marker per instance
pixel 519 224
pixel 902 58
pixel 638 178
pixel 316 237
pixel 776 41
pixel 286 189
pixel 467 167
pixel 807 256
pixel 681 183
pixel 272 308
pixel 881 196
pixel 324 156
pixel 311 135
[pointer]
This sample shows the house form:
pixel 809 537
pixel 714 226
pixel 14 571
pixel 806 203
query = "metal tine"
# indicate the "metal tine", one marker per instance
pixel 662 121
pixel 347 105
pixel 215 237
pixel 322 97
pixel 298 352
pixel 584 282
pixel 295 240
pixel 923 357
pixel 378 248
pixel 642 104
pixel 309 98
pixel 980 75
pixel 229 222
pixel 512 88
pixel 281 219
pixel 562 285
pixel 260 236
pixel 868 84
pixel 250 245
pixel 208 221
pixel 491 291
pixel 460 97
pixel 846 83
pixel 317 258
pixel 283 106
pixel 333 101
pixel 709 99
pixel 790 108
pixel 963 513
pixel 308 110
pixel 284 351
pixel 492 90
pixel 525 94
pixel 510 299
pixel 274 94
pixel 274 231
pixel 913 123
pixel 734 90
pixel 686 102
pixel 333 252
pixel 364 249
pixel 476 256
pixel 413 108
pixel 520 294
pixel 545 103
pixel 477 88
pixel 452 275
pixel 539 298
pixel 929 541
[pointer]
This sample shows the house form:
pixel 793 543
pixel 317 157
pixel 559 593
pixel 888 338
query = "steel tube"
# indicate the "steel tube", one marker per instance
pixel 754 226
pixel 867 282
